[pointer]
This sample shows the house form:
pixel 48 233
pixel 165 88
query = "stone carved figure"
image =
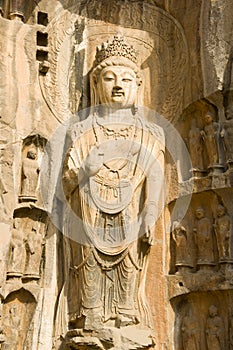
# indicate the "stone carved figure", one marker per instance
pixel 34 246
pixel 210 137
pixel 231 329
pixel 203 239
pixel 17 251
pixel 30 172
pixel 196 147
pixel 214 330
pixel 222 227
pixel 183 254
pixel 113 181
pixel 2 335
pixel 227 134
pixel 190 331
pixel 13 328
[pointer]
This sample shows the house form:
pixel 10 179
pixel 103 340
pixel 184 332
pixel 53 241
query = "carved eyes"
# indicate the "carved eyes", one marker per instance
pixel 108 79
pixel 125 80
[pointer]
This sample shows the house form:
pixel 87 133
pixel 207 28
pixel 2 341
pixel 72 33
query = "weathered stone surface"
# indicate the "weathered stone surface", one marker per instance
pixel 181 268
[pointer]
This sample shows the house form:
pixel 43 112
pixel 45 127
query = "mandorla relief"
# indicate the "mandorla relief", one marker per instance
pixel 113 181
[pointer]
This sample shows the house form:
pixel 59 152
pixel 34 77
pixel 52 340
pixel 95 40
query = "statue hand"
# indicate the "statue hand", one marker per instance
pixel 94 161
pixel 149 222
pixel 202 132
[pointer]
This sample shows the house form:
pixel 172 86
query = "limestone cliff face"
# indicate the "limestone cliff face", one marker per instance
pixel 184 54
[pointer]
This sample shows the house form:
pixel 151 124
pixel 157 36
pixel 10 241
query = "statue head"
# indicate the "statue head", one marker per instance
pixel 115 77
pixel 31 153
pixel 199 213
pixel 220 210
pixel 208 118
pixel 213 311
pixel 228 104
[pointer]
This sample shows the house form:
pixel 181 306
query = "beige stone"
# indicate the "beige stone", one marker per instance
pixel 184 58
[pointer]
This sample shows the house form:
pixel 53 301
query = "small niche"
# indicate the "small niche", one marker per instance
pixel 42 18
pixel 41 55
pixel 42 39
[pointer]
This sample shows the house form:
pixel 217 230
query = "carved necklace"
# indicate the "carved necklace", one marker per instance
pixel 110 133
pixel 116 134
pixel 113 181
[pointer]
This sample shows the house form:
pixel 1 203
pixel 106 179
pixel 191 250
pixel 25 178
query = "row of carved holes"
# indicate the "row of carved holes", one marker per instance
pixel 42 38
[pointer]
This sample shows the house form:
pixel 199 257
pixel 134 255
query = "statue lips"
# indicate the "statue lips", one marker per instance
pixel 118 92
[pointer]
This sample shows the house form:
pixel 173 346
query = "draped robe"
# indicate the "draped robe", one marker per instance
pixel 108 253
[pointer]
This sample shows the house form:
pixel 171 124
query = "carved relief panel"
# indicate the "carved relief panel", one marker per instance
pixel 204 236
pixel 204 321
pixel 26 245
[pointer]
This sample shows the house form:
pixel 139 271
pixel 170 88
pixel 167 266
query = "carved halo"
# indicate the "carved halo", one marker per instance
pixel 152 32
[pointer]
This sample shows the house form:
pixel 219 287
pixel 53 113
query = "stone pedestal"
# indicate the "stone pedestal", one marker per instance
pixel 127 338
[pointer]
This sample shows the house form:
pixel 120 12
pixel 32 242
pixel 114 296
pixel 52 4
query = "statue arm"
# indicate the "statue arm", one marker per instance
pixel 154 195
pixel 72 174
pixel 29 246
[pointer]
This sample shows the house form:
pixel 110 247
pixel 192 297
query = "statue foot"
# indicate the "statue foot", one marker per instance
pixel 125 320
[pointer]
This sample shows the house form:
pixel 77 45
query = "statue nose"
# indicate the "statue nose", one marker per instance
pixel 117 87
pixel 118 83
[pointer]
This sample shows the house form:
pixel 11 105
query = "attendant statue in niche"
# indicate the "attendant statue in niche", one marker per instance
pixel 214 330
pixel 196 149
pixel 204 240
pixel 34 246
pixel 113 180
pixel 30 173
pixel 17 251
pixel 210 135
pixel 183 255
pixel 190 331
pixel 222 227
pixel 227 131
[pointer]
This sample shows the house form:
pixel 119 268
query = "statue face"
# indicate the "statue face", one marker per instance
pixel 199 213
pixel 220 211
pixel 31 154
pixel 229 112
pixel 117 87
pixel 208 118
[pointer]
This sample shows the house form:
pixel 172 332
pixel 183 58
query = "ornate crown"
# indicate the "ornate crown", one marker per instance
pixel 117 47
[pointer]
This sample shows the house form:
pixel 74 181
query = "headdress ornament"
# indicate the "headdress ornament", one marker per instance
pixel 116 47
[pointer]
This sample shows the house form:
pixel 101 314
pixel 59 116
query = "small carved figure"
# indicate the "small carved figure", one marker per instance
pixel 17 251
pixel 190 332
pixel 227 134
pixel 34 246
pixel 231 329
pixel 222 228
pixel 14 324
pixel 210 137
pixel 203 239
pixel 2 335
pixel 30 172
pixel 183 256
pixel 214 330
pixel 196 146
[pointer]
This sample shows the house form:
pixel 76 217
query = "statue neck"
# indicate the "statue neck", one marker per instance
pixel 109 114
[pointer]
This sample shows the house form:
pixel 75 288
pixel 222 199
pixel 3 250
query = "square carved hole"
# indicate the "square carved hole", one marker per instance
pixel 42 39
pixel 42 18
pixel 41 55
